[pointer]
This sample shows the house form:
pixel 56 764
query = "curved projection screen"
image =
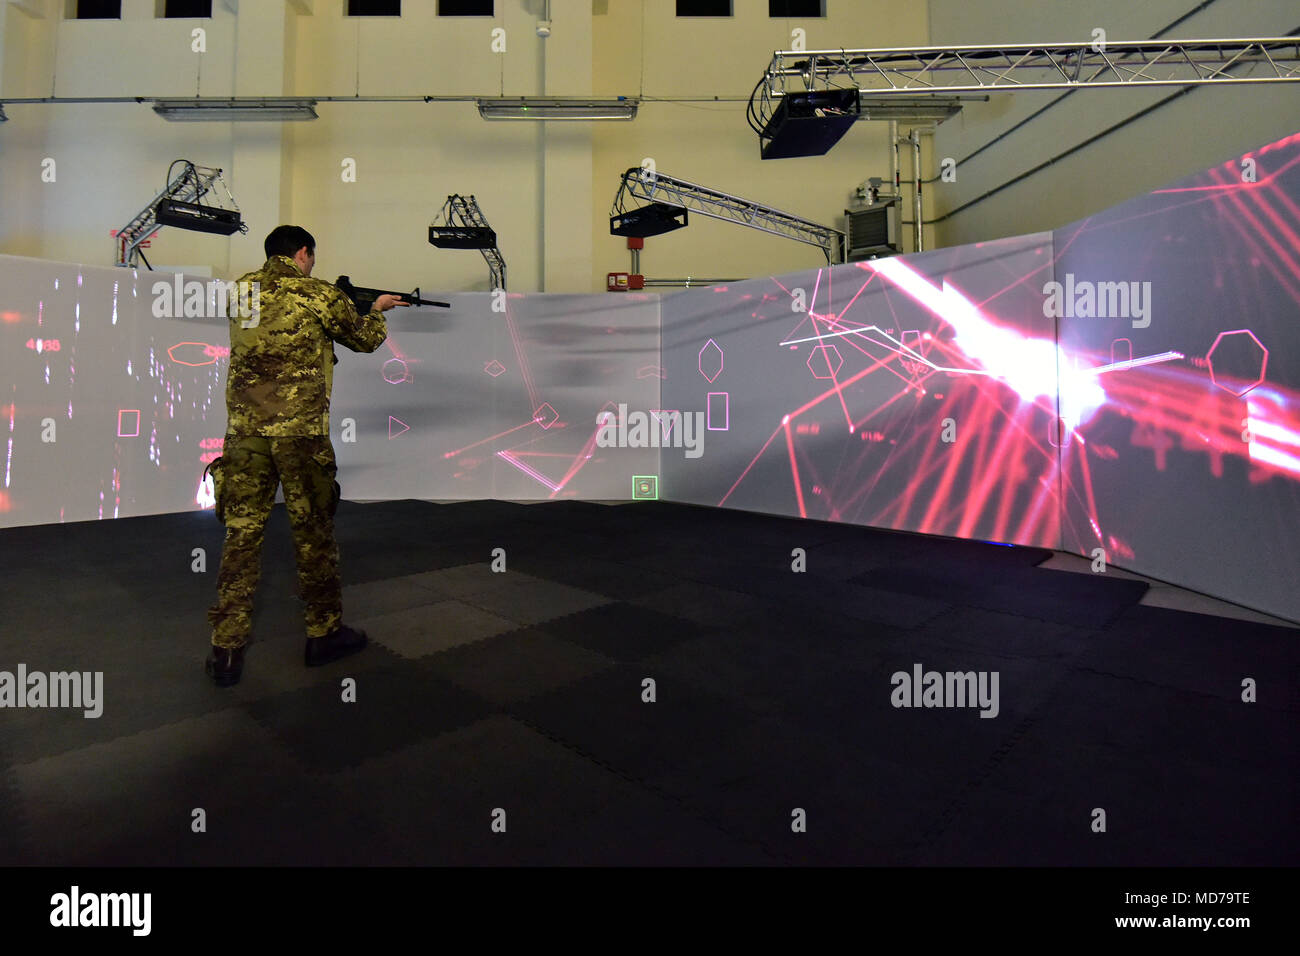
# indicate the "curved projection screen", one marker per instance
pixel 1186 462
pixel 914 392
pixel 1128 385
pixel 110 411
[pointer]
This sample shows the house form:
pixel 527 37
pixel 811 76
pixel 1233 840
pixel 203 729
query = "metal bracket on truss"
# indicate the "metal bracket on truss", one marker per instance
pixel 655 187
pixel 465 227
pixel 187 187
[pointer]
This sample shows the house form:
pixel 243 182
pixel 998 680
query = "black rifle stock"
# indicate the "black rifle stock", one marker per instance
pixel 364 299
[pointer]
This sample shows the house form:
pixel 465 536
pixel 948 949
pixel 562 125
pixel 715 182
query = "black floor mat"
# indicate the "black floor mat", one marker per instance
pixel 644 683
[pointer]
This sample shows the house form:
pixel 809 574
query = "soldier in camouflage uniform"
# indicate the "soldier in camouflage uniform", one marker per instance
pixel 277 405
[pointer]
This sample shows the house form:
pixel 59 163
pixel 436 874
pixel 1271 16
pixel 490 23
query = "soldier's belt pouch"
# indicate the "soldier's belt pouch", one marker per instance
pixel 218 486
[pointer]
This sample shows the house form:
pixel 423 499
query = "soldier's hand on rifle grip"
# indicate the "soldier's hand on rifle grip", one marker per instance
pixel 386 302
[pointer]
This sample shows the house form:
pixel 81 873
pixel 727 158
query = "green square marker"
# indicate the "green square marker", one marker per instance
pixel 645 486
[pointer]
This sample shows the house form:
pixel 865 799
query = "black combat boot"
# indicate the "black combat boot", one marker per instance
pixel 341 643
pixel 225 665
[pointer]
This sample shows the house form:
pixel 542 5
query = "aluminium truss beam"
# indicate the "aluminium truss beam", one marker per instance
pixel 191 184
pixel 464 211
pixel 1050 66
pixel 640 183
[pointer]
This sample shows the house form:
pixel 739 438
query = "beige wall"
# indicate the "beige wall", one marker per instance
pixel 1195 131
pixel 546 188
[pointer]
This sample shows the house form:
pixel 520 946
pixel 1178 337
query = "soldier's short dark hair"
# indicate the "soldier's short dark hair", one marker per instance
pixel 287 240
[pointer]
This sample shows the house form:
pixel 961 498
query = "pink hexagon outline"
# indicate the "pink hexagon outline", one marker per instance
pixel 212 359
pixel 722 361
pixel 1263 365
pixel 825 348
pixel 406 371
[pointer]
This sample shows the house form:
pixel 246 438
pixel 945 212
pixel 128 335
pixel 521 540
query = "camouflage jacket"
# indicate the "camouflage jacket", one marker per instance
pixel 282 360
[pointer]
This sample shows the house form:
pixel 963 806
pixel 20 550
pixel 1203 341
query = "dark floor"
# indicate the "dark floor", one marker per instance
pixel 518 696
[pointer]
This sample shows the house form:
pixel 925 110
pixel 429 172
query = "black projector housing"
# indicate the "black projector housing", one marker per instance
pixel 462 237
pixel 809 124
pixel 652 220
pixel 198 218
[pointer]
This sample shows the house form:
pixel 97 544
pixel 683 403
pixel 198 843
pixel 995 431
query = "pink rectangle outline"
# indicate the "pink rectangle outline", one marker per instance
pixel 726 396
pixel 120 413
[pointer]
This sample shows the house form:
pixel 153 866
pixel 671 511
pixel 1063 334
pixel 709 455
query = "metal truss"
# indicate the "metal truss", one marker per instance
pixel 464 211
pixel 191 184
pixel 653 186
pixel 1055 66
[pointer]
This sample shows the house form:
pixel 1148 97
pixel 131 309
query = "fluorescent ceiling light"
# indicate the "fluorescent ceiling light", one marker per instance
pixel 238 108
pixel 920 108
pixel 553 108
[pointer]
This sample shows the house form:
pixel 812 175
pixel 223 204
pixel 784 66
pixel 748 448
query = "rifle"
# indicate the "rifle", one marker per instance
pixel 364 299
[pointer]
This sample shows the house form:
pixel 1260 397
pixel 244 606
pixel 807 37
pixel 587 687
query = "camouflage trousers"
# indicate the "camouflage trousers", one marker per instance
pixel 245 479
